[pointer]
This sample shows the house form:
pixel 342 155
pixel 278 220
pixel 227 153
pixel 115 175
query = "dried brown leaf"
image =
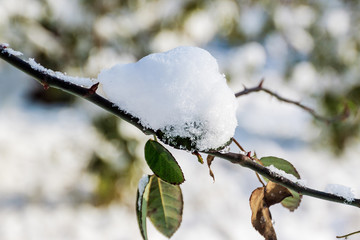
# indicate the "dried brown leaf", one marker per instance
pixel 261 216
pixel 275 193
pixel 199 157
pixel 260 201
pixel 209 160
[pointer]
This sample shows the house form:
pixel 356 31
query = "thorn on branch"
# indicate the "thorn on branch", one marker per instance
pixel 45 85
pixel 3 46
pixel 92 90
pixel 245 88
pixel 261 82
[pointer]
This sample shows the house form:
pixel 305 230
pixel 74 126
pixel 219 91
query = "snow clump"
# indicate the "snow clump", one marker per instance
pixel 340 190
pixel 180 92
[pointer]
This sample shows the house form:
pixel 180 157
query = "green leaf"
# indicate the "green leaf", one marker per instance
pixel 281 164
pixel 165 206
pixel 141 204
pixel 162 163
pixel 293 202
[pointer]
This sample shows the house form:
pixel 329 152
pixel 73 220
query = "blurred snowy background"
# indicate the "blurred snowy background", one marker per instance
pixel 68 170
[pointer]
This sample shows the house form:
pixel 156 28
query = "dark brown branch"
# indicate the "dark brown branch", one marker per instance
pixel 260 87
pixel 53 80
pixel 348 235
pixel 90 94
pixel 247 162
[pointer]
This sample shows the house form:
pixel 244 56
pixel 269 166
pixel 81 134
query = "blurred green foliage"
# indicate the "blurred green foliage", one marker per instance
pixel 341 133
pixel 115 174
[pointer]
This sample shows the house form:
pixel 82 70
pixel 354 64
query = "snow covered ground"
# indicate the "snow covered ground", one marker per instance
pixel 43 153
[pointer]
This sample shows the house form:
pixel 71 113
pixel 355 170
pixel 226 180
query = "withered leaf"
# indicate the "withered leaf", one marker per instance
pixel 275 193
pixel 260 201
pixel 209 160
pixel 261 216
pixel 199 157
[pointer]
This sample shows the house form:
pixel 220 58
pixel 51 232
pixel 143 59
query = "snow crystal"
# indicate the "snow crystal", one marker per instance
pixel 288 176
pixel 340 190
pixel 180 92
pixel 10 50
pixel 84 82
pixel 141 188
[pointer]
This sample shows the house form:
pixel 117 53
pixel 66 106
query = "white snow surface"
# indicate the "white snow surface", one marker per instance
pixel 180 92
pixel 80 81
pixel 141 188
pixel 340 190
pixel 282 173
pixel 10 50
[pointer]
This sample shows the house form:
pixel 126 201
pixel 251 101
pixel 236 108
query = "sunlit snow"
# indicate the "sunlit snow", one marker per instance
pixel 283 174
pixel 180 92
pixel 342 191
pixel 141 188
pixel 10 50
pixel 85 82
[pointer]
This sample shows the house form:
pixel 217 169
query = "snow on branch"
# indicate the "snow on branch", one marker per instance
pixel 247 162
pixel 180 93
pixel 49 78
pixel 179 96
pixel 84 82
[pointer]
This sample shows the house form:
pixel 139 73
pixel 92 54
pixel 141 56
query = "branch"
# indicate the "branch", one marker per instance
pixel 247 162
pixel 48 79
pixel 348 235
pixel 260 87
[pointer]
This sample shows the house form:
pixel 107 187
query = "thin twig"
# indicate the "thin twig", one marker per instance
pixel 260 87
pixel 241 159
pixel 348 235
pixel 259 178
pixel 238 144
pixel 248 154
